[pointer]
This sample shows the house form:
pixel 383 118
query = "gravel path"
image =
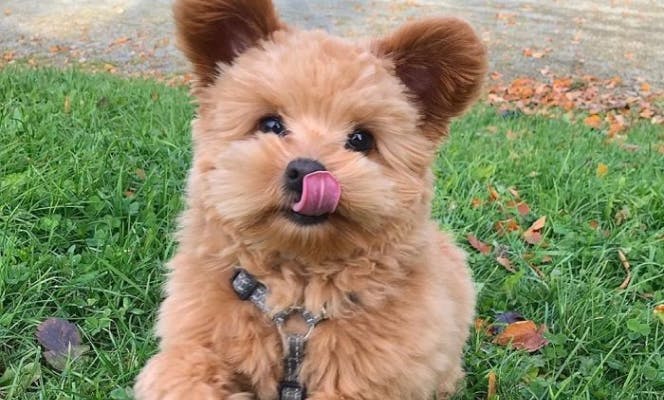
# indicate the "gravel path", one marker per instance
pixel 595 37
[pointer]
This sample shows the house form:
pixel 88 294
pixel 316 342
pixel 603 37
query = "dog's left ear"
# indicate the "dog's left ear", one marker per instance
pixel 443 64
pixel 216 31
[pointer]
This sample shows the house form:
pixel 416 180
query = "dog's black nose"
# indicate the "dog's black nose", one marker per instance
pixel 297 170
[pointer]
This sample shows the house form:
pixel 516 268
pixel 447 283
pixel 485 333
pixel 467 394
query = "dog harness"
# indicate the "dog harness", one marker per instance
pixel 248 288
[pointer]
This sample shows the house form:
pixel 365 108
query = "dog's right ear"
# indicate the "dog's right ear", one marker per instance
pixel 216 31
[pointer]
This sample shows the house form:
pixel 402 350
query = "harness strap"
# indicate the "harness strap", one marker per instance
pixel 248 288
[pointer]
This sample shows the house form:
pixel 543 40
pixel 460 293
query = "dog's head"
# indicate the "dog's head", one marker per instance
pixel 309 143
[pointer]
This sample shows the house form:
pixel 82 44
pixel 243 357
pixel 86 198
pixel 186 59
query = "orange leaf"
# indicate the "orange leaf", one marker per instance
pixel 602 170
pixel 476 203
pixel 593 121
pixel 493 194
pixel 645 87
pixel 507 226
pixel 523 208
pixel 539 224
pixel 514 193
pixel 479 245
pixel 533 235
pixel 505 262
pixel 119 41
pixel 8 55
pixel 523 335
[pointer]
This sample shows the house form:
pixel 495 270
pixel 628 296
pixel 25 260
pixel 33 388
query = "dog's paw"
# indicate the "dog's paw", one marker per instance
pixel 175 376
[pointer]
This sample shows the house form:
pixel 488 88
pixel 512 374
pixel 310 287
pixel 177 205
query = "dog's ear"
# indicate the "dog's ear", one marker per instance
pixel 217 31
pixel 443 64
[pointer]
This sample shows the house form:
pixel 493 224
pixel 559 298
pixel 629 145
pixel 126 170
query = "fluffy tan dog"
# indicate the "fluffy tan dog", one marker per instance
pixel 312 172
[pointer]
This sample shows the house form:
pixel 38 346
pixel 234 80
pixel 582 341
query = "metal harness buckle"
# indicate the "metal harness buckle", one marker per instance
pixel 247 287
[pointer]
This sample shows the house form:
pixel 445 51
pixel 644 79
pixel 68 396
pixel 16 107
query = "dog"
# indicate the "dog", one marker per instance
pixel 308 265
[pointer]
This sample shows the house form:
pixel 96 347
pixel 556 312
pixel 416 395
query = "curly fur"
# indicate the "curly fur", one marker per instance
pixel 397 291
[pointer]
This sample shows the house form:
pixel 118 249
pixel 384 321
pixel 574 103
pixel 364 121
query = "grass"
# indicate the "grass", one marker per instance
pixel 91 176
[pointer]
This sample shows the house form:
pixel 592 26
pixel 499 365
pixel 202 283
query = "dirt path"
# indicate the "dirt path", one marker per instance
pixel 596 37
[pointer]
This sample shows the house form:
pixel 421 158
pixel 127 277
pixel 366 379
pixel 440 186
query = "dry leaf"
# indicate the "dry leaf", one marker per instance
pixel 506 263
pixel 491 386
pixel 476 203
pixel 602 170
pixel 8 12
pixel 625 264
pixel 61 341
pixel 479 245
pixel 140 173
pixel 514 193
pixel 493 194
pixel 129 193
pixel 8 55
pixel 523 335
pixel 645 87
pixel 659 312
pixel 593 121
pixel 480 324
pixel 523 208
pixel 533 235
pixel 120 41
pixel 506 226
pixel 593 224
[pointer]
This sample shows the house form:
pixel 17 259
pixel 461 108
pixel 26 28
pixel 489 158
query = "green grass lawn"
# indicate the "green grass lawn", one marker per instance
pixel 91 177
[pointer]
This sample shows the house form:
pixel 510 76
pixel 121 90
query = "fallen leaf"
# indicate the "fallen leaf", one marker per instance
pixel 514 193
pixel 61 341
pixel 602 170
pixel 67 105
pixel 506 226
pixel 493 194
pixel 129 193
pixel 533 235
pixel 479 245
pixel 625 264
pixel 645 87
pixel 659 312
pixel 537 270
pixel 120 41
pixel 476 202
pixel 8 55
pixel 491 386
pixel 593 121
pixel 495 76
pixel 479 324
pixel 523 209
pixel 523 335
pixel 8 12
pixel 506 263
pixel 622 215
pixel 140 173
pixel 593 224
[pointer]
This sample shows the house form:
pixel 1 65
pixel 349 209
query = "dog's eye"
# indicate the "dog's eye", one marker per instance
pixel 360 140
pixel 272 124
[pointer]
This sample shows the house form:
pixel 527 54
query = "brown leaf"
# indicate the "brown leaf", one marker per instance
pixel 506 226
pixel 8 55
pixel 523 208
pixel 493 194
pixel 140 173
pixel 129 193
pixel 625 264
pixel 645 87
pixel 506 263
pixel 8 12
pixel 593 224
pixel 523 335
pixel 593 121
pixel 120 41
pixel 476 202
pixel 514 193
pixel 491 386
pixel 478 244
pixel 533 235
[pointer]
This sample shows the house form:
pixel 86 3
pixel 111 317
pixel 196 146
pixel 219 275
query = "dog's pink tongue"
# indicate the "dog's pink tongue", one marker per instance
pixel 320 194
